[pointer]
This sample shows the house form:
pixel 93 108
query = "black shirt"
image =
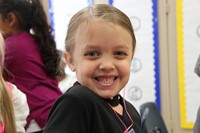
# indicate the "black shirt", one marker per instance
pixel 79 110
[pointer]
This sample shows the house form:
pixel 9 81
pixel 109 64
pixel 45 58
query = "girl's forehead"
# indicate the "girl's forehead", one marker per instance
pixel 99 33
pixel 95 25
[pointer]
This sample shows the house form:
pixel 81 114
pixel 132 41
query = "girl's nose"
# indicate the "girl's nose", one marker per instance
pixel 107 64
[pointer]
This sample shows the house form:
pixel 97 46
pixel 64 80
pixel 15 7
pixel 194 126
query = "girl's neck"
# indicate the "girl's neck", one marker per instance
pixel 118 109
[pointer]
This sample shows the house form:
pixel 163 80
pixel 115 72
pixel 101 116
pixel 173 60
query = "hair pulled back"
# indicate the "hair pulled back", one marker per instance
pixel 32 18
pixel 97 12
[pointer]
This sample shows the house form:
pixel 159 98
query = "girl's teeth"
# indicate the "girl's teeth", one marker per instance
pixel 106 81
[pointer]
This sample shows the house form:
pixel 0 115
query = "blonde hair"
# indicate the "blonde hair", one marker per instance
pixel 97 12
pixel 6 108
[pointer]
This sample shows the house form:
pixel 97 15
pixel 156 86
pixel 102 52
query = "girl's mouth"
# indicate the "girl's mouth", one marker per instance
pixel 106 81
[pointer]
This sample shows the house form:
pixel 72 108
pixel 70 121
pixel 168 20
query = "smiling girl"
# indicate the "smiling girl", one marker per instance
pixel 100 45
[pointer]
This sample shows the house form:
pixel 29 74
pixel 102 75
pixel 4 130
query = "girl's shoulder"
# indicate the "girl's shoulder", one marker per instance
pixel 10 87
pixel 15 92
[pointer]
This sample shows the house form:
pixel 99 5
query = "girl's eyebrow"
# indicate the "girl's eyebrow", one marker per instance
pixel 92 46
pixel 123 46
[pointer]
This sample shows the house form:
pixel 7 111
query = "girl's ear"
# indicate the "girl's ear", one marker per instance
pixel 70 61
pixel 11 18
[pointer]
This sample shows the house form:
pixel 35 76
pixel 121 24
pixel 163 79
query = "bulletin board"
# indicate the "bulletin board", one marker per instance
pixel 144 83
pixel 60 12
pixel 188 46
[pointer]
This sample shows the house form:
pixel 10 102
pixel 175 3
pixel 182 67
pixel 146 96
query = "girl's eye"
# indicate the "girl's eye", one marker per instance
pixel 120 53
pixel 93 53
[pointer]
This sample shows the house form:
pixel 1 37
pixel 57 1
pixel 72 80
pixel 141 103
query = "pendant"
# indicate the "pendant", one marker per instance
pixel 130 131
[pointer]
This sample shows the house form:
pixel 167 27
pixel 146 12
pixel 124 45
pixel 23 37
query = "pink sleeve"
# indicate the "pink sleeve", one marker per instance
pixel 1 128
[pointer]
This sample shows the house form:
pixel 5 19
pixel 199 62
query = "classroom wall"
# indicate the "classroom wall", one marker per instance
pixel 168 64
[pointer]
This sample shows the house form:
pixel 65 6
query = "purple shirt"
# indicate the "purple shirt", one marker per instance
pixel 27 72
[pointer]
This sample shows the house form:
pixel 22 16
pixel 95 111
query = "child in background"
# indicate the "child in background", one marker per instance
pixel 100 45
pixel 11 121
pixel 31 57
pixel 7 119
pixel 20 105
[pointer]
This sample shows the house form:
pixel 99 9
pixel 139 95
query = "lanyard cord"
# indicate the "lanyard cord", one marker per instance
pixel 127 112
pixel 121 119
pixel 118 117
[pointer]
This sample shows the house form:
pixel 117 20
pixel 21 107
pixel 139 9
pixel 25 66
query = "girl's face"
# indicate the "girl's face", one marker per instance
pixel 8 25
pixel 102 57
pixel 3 26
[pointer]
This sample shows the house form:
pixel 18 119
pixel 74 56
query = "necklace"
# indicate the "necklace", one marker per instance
pixel 114 101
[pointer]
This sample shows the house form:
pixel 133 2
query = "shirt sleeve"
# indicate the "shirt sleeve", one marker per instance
pixel 21 108
pixel 68 115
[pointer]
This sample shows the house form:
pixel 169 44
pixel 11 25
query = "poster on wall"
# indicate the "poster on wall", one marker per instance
pixel 188 45
pixel 144 83
pixel 60 12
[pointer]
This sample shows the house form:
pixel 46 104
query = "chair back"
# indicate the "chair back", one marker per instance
pixel 152 121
